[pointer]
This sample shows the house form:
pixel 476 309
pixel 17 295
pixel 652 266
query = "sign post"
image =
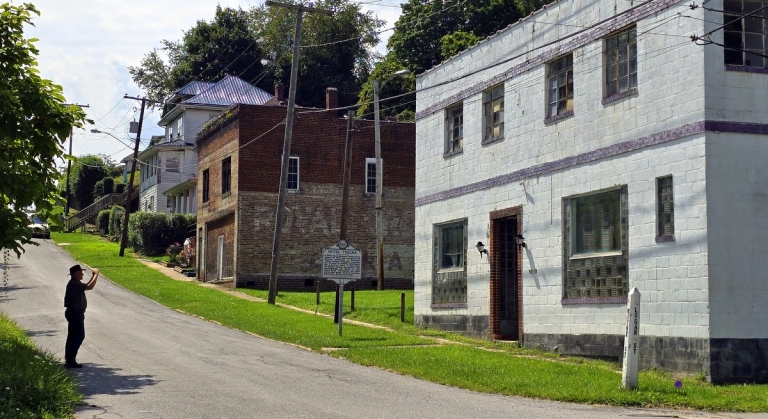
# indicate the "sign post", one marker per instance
pixel 629 369
pixel 342 263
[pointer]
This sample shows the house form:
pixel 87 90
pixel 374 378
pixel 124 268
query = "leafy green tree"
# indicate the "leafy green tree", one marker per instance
pixel 337 51
pixel 206 52
pixel 454 43
pixel 34 123
pixel 86 172
pixel 390 85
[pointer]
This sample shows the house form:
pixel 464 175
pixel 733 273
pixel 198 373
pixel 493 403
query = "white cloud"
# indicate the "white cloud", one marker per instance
pixel 86 47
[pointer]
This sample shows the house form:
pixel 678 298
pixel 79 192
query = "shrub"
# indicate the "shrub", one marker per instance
pixel 120 188
pixel 149 233
pixel 173 252
pixel 98 189
pixel 109 185
pixel 182 226
pixel 102 221
pixel 116 216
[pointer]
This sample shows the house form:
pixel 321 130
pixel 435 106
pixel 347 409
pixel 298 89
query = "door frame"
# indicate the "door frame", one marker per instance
pixel 495 261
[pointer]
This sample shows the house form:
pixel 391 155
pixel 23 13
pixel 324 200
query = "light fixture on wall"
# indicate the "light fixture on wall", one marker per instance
pixel 481 248
pixel 520 240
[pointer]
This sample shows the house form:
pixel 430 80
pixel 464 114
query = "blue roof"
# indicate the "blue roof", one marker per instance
pixel 228 91
pixel 194 88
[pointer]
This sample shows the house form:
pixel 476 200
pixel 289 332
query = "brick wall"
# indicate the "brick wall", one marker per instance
pixel 254 135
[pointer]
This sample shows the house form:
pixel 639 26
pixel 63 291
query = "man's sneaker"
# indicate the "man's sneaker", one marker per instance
pixel 72 364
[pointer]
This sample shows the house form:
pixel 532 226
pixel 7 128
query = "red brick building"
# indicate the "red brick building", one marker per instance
pixel 238 183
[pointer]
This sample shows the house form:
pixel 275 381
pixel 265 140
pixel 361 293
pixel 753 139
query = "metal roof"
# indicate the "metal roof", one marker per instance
pixel 194 88
pixel 228 91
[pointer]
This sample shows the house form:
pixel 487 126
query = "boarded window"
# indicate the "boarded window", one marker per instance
pixel 172 164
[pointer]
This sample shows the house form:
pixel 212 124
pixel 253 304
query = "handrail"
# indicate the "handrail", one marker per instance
pixel 81 217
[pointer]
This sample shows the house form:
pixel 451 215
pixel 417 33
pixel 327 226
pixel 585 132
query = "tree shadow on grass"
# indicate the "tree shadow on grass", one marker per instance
pixel 95 379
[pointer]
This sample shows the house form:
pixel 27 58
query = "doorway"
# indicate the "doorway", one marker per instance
pixel 506 278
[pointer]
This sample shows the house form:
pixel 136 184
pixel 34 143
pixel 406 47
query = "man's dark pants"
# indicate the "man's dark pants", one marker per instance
pixel 75 333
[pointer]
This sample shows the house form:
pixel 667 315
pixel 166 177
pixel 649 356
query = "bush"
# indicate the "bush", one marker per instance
pixel 182 226
pixel 98 189
pixel 120 188
pixel 116 216
pixel 102 221
pixel 149 233
pixel 109 185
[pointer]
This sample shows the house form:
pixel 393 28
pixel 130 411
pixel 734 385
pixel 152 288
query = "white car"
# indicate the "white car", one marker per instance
pixel 39 228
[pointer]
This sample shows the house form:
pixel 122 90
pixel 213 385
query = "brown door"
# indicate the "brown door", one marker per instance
pixel 508 283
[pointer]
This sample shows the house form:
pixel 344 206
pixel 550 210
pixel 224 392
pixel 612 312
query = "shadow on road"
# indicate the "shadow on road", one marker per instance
pixel 98 379
pixel 36 333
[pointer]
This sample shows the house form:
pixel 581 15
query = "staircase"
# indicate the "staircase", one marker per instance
pixel 90 212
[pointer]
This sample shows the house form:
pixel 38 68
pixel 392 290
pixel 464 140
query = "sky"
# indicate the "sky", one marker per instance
pixel 86 47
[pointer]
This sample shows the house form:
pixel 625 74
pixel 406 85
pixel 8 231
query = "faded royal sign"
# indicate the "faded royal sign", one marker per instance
pixel 342 262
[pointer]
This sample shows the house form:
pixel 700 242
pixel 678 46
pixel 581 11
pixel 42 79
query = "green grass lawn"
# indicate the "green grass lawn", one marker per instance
pixel 33 384
pixel 467 363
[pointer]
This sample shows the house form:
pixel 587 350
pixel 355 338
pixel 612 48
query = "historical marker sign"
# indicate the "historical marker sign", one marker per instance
pixel 629 370
pixel 342 265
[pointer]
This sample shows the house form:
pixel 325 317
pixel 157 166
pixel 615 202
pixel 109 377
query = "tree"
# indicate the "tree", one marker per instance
pixel 337 51
pixel 34 123
pixel 206 52
pixel 390 85
pixel 86 172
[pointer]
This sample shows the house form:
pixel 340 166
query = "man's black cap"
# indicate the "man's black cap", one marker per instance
pixel 75 269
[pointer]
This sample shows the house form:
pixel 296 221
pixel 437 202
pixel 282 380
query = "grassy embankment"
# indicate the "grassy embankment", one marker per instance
pixel 430 355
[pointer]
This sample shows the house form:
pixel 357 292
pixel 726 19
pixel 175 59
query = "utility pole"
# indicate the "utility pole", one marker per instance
pixel 124 238
pixel 287 142
pixel 69 162
pixel 345 196
pixel 379 191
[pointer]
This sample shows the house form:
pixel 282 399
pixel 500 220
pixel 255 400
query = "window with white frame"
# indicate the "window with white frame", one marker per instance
pixel 292 183
pixel 180 128
pixel 493 113
pixel 746 38
pixel 560 86
pixel 449 285
pixel 621 62
pixel 370 175
pixel 454 128
pixel 595 246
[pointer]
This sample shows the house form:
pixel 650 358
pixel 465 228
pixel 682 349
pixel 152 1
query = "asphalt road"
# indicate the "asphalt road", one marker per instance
pixel 143 360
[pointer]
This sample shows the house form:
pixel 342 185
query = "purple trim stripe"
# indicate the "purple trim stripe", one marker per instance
pixel 599 154
pixel 585 38
pixel 594 300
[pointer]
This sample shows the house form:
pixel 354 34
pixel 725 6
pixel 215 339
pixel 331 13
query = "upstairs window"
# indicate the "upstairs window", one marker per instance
pixel 621 62
pixel 454 129
pixel 206 180
pixel 226 175
pixel 665 215
pixel 370 175
pixel 292 183
pixel 746 40
pixel 560 86
pixel 493 113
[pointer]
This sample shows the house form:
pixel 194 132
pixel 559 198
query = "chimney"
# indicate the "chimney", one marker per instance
pixel 279 88
pixel 331 98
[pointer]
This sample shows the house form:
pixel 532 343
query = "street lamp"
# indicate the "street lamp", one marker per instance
pixel 379 183
pixel 95 131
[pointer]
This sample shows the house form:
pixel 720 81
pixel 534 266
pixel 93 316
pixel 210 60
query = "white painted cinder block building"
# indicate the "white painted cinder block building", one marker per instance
pixel 626 156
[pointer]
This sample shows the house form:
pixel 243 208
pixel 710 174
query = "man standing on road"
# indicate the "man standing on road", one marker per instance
pixel 75 303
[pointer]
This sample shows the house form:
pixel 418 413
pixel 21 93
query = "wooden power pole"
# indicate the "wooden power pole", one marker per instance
pixel 287 142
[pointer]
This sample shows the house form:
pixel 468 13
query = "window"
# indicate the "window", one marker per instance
pixel 151 203
pixel 665 214
pixel 226 175
pixel 493 113
pixel 370 175
pixel 450 273
pixel 595 246
pixel 292 182
pixel 206 180
pixel 560 86
pixel 746 40
pixel 621 62
pixel 180 129
pixel 454 129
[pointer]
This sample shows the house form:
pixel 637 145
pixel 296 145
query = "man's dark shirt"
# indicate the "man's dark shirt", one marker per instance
pixel 75 296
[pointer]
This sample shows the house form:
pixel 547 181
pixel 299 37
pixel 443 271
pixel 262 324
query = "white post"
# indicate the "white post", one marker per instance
pixel 629 369
pixel 341 304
